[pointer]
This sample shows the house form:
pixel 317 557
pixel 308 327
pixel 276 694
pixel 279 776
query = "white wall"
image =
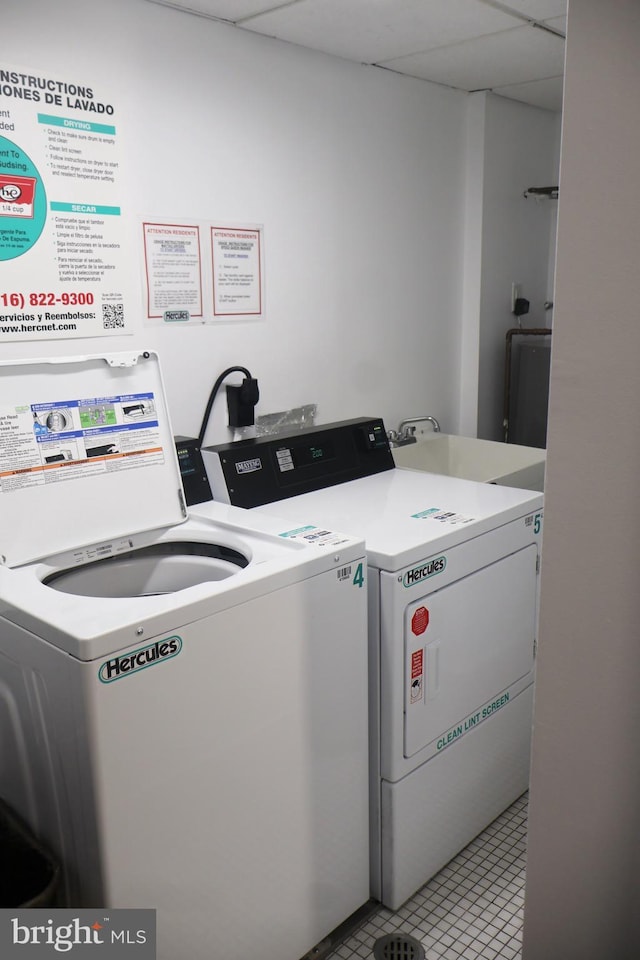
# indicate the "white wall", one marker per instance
pixel 472 273
pixel 356 173
pixel 582 893
pixel 520 150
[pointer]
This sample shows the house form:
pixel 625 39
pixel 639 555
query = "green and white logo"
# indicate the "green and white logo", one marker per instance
pixel 424 571
pixel 137 660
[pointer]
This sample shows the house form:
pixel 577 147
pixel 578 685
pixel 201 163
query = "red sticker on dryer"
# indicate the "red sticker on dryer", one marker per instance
pixel 420 621
pixel 417 675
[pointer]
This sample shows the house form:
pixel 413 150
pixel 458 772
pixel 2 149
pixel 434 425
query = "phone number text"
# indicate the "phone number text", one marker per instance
pixel 73 299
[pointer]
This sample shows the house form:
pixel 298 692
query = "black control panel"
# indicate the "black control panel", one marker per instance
pixel 251 472
pixel 194 478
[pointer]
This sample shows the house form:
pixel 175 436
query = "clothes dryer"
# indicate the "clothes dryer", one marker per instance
pixel 453 591
pixel 183 701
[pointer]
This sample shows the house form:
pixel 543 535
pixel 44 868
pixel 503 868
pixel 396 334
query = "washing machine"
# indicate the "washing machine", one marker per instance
pixel 453 596
pixel 183 701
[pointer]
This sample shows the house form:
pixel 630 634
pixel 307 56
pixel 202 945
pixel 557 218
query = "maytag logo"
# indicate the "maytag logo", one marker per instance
pixel 249 466
pixel 140 659
pixel 40 932
pixel 424 571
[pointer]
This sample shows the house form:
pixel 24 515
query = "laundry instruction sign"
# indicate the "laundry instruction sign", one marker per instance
pixel 63 268
pixel 199 271
pixel 236 255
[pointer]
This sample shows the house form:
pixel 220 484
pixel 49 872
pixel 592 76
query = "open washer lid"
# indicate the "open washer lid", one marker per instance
pixel 86 453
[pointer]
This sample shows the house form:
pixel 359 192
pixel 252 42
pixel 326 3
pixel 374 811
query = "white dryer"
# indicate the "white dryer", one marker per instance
pixel 453 590
pixel 183 702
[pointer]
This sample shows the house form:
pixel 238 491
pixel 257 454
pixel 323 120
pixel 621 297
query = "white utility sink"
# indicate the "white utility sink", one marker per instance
pixel 486 460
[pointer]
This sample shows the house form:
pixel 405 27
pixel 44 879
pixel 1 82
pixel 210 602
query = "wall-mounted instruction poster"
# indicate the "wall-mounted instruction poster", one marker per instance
pixel 63 269
pixel 173 270
pixel 236 256
pixel 202 272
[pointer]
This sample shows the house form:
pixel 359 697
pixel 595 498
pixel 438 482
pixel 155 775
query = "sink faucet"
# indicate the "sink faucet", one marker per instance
pixel 406 431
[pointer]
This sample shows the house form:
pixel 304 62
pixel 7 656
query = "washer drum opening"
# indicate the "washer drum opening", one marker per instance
pixel 150 571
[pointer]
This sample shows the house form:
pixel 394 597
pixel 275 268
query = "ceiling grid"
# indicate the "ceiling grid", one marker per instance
pixel 514 49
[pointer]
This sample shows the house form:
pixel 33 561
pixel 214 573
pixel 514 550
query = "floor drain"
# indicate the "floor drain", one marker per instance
pixel 398 946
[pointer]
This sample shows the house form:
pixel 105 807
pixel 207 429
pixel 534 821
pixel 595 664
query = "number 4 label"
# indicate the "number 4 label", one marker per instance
pixel 358 577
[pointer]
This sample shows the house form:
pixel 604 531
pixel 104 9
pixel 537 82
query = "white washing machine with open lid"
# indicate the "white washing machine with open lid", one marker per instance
pixel 183 701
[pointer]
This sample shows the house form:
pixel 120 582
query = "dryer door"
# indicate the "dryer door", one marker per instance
pixel 465 645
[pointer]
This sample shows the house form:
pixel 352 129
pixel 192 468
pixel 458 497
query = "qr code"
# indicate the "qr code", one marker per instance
pixel 112 315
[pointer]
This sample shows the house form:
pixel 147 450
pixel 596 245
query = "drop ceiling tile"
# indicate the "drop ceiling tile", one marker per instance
pixel 513 56
pixel 539 93
pixel 368 31
pixel 536 9
pixel 231 10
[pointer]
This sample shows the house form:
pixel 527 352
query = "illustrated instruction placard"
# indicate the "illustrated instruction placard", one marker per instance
pixel 64 440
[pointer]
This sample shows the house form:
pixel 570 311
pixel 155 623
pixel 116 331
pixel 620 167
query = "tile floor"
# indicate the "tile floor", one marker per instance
pixel 471 910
